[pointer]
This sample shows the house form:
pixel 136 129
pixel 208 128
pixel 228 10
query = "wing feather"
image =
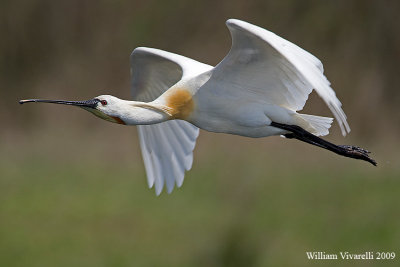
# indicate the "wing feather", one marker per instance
pixel 267 67
pixel 167 148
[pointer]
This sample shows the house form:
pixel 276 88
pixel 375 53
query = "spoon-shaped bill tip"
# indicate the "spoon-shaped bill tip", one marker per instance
pixel 26 101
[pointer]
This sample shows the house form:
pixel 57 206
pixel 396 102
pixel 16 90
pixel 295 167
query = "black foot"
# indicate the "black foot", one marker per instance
pixel 357 153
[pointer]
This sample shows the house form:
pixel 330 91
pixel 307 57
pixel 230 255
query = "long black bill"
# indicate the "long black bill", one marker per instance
pixel 91 103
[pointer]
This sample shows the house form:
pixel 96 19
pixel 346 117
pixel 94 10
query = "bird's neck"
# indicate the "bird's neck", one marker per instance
pixel 141 113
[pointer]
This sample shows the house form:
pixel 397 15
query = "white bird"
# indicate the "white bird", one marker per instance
pixel 255 91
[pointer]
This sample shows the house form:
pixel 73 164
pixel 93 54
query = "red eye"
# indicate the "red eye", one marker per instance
pixel 103 102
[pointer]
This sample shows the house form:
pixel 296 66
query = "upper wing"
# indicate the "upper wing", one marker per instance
pixel 167 148
pixel 265 66
pixel 153 71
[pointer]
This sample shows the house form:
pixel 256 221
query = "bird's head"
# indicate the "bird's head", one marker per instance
pixel 107 107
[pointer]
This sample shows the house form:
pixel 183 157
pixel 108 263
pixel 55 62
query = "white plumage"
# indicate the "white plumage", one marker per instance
pixel 261 69
pixel 167 147
pixel 255 91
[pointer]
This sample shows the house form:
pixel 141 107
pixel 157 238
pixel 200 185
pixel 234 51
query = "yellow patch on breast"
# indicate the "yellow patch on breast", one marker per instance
pixel 180 102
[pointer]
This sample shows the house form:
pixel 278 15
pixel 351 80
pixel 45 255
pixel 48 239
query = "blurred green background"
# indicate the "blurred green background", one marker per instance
pixel 73 190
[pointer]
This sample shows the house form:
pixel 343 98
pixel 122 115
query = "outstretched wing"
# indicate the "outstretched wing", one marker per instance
pixel 167 148
pixel 262 65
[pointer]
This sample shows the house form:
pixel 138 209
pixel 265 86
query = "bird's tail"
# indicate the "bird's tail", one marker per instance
pixel 315 124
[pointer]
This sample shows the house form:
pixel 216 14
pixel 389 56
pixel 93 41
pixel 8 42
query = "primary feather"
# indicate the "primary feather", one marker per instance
pixel 167 147
pixel 263 65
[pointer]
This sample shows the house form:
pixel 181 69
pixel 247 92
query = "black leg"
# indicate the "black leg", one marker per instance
pixel 302 135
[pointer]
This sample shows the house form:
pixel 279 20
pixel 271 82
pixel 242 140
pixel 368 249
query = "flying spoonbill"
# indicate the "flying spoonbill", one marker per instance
pixel 255 91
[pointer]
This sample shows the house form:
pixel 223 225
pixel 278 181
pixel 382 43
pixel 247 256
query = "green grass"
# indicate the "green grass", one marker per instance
pixel 234 209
